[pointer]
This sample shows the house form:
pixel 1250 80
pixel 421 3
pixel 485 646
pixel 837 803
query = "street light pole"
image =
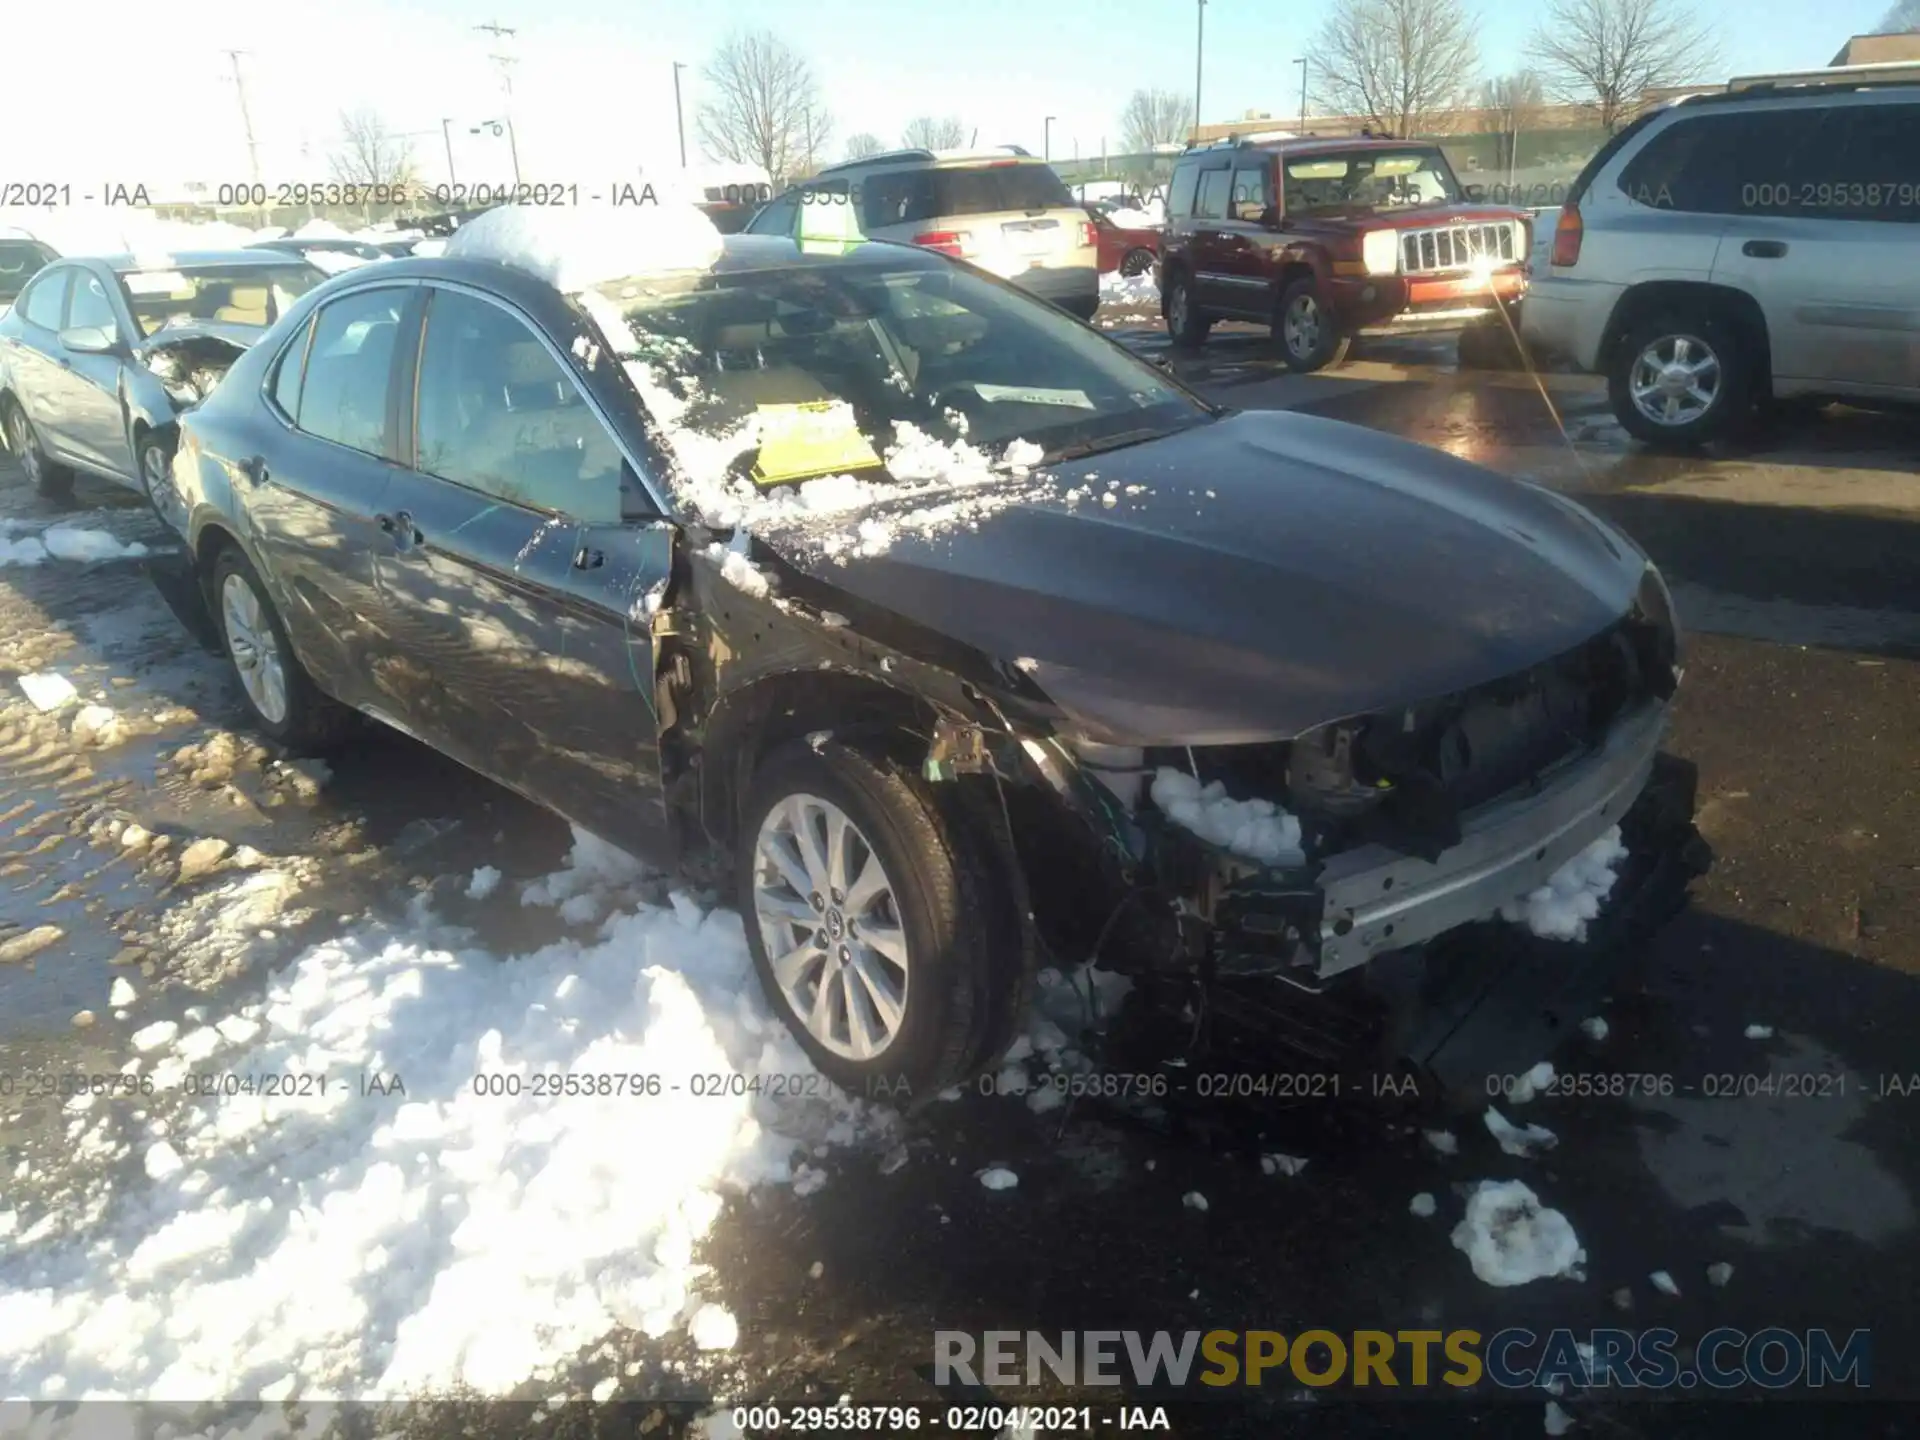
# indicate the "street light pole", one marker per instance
pixel 1199 56
pixel 446 134
pixel 679 116
pixel 1046 142
pixel 1302 63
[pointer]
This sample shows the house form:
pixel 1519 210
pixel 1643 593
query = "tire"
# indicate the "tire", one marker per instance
pixel 156 449
pixel 305 721
pixel 1309 336
pixel 1185 323
pixel 51 480
pixel 938 904
pixel 1674 336
pixel 1136 262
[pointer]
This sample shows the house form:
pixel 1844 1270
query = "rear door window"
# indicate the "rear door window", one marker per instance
pixel 1764 162
pixel 1250 198
pixel 349 370
pixel 1214 188
pixel 904 197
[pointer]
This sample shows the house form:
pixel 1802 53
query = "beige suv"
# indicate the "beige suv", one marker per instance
pixel 1000 209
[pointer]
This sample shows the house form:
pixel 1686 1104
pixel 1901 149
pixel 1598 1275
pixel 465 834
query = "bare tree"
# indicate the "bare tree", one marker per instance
pixel 1606 54
pixel 816 128
pixel 1512 103
pixel 926 133
pixel 369 153
pixel 1902 18
pixel 860 146
pixel 1154 117
pixel 1403 66
pixel 764 107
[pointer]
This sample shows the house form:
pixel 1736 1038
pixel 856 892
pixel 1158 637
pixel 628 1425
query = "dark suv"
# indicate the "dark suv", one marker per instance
pixel 1325 239
pixel 21 258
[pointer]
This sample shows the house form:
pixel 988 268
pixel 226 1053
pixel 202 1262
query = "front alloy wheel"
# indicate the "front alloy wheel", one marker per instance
pixel 831 925
pixel 1310 336
pixel 1675 380
pixel 1682 379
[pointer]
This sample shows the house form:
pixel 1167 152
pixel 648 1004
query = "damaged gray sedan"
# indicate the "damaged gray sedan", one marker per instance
pixel 99 356
pixel 953 637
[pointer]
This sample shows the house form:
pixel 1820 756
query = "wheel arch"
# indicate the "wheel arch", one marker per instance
pixel 1653 297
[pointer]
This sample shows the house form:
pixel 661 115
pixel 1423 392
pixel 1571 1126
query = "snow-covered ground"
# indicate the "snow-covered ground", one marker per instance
pixel 483 1163
pixel 1130 291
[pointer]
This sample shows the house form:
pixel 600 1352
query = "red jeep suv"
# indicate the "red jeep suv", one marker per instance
pixel 1325 239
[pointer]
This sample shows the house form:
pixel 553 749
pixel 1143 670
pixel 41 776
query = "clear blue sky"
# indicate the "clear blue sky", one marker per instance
pixel 593 90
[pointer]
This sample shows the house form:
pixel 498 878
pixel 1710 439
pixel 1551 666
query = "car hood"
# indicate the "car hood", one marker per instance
pixel 1255 577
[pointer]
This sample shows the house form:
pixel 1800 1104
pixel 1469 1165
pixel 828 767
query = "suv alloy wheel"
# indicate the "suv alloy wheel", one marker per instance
pixel 1310 336
pixel 1680 379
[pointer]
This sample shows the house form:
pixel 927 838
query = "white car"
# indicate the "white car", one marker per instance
pixel 1753 243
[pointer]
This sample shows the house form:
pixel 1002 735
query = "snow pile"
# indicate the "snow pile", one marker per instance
pixel 1151 218
pixel 334 262
pixel 416 1229
pixel 1257 829
pixel 63 542
pixel 597 877
pixel 1511 1239
pixel 1118 289
pixel 1518 1140
pixel 1561 908
pixel 575 248
pixel 320 228
pixel 47 689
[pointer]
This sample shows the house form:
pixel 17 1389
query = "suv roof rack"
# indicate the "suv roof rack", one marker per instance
pixel 1833 77
pixel 985 152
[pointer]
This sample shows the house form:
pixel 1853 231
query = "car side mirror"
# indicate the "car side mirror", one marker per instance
pixel 91 339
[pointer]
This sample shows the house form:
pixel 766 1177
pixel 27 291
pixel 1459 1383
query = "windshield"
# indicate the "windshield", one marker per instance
pixel 1372 179
pixel 784 375
pixel 234 294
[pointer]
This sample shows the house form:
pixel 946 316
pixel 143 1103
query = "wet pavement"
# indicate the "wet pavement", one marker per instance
pixel 1795 562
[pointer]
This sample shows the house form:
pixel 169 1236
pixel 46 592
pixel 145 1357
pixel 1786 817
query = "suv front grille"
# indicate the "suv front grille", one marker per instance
pixel 1455 247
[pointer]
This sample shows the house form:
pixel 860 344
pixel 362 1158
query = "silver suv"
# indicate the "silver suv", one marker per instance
pixel 1000 209
pixel 1755 243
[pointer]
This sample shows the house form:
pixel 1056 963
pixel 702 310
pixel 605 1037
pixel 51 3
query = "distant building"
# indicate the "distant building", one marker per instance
pixel 1879 50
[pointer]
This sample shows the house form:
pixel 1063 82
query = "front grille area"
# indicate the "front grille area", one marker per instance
pixel 1455 247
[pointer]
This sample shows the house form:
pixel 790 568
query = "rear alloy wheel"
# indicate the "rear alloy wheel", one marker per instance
pixel 282 696
pixel 155 453
pixel 1136 262
pixel 1309 335
pixel 1185 324
pixel 1680 380
pixel 53 481
pixel 867 924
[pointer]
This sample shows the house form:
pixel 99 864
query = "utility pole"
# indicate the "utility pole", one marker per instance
pixel 1302 63
pixel 446 135
pixel 1199 57
pixel 1046 138
pixel 679 115
pixel 506 64
pixel 246 120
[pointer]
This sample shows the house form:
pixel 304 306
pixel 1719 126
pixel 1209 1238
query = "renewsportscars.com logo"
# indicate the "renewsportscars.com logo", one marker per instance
pixel 1515 1358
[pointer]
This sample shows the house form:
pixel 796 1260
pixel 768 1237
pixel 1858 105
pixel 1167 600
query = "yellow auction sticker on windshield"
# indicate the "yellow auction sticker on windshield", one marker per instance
pixel 804 442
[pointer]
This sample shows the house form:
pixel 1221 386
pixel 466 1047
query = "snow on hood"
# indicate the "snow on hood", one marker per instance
pixel 574 248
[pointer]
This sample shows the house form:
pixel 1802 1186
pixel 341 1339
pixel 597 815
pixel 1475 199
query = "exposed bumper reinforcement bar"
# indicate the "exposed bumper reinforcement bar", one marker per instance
pixel 1377 899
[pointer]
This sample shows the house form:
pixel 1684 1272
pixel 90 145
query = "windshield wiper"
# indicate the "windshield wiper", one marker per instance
pixel 1104 443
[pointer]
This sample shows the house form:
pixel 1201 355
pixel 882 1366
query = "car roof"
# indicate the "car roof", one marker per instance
pixel 190 260
pixel 1310 144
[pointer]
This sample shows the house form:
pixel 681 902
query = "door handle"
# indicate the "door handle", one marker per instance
pixel 586 559
pixel 1764 249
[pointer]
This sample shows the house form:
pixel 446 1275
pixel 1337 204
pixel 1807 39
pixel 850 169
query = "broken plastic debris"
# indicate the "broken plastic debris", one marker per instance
pixel 1518 1140
pixel 47 689
pixel 1510 1238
